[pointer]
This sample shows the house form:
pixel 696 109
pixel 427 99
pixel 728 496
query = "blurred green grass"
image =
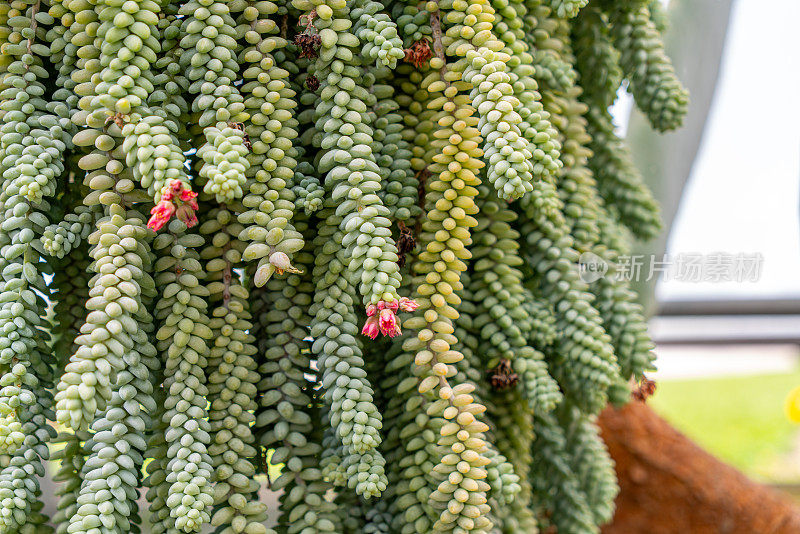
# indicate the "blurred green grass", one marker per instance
pixel 739 419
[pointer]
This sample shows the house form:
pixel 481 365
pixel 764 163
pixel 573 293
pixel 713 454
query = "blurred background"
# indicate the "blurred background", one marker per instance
pixel 723 284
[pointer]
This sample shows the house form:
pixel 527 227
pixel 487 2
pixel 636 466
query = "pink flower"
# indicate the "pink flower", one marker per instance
pixel 388 323
pixel 187 195
pixel 371 327
pixel 161 214
pixel 407 305
pixel 185 210
pixel 383 316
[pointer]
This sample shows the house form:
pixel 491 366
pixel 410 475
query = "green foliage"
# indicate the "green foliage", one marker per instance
pixel 182 337
pixel 377 32
pixel 316 166
pixel 651 76
pixel 556 486
pixel 349 394
pixel 618 181
pixel 567 8
pixel 286 415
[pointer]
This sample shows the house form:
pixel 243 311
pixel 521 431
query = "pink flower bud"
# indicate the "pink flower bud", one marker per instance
pixel 186 214
pixel 281 262
pixel 408 305
pixel 371 328
pixel 393 305
pixel 371 310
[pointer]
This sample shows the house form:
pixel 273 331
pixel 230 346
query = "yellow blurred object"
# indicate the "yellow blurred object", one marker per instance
pixel 792 405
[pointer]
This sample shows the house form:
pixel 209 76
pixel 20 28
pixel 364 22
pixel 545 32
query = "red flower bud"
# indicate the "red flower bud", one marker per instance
pixel 186 214
pixel 407 305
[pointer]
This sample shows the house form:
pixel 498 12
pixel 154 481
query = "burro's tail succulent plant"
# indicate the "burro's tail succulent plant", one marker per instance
pixel 325 248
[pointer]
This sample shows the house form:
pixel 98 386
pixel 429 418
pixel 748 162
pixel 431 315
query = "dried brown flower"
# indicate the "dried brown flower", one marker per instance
pixel 312 82
pixel 419 53
pixel 644 389
pixel 503 376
